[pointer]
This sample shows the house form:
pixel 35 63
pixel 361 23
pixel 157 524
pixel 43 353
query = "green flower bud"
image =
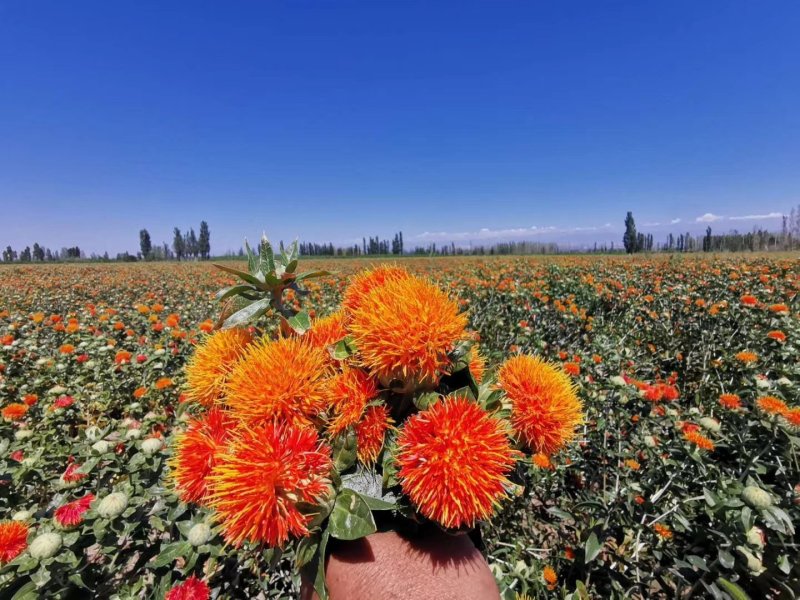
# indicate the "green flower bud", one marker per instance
pixel 45 545
pixel 756 497
pixel 112 505
pixel 199 534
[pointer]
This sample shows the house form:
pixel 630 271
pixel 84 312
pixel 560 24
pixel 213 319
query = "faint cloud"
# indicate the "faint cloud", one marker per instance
pixel 486 233
pixel 708 218
pixel 654 224
pixel 675 221
pixel 772 215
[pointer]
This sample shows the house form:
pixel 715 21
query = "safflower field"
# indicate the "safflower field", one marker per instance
pixel 681 477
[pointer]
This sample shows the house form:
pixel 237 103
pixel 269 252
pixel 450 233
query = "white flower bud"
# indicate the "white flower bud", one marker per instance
pixel 112 505
pixel 151 446
pixel 45 545
pixel 756 497
pixel 199 534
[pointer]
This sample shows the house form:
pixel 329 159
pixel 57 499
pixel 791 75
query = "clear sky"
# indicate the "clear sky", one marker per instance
pixel 329 120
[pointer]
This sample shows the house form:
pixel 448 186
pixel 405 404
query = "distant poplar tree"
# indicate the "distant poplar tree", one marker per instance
pixel 177 244
pixel 205 241
pixel 630 239
pixel 145 245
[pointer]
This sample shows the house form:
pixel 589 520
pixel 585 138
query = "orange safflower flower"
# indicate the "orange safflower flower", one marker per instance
pixel 542 461
pixel 477 364
pixel 779 308
pixel 30 399
pixel 747 357
pixel 212 363
pixel 139 392
pixel 283 379
pixel 792 417
pixel 122 357
pixel 699 440
pixel 66 349
pixel 404 330
pixel 662 531
pixel 15 411
pixel 777 335
pixel 550 577
pixel 13 540
pixel 633 465
pixel 772 405
pixel 748 300
pixel 453 461
pixel 349 393
pixel 361 284
pixel 370 433
pixel 206 326
pixel 730 401
pixel 572 368
pixel 326 331
pixel 196 453
pixel 163 383
pixel 260 479
pixel 545 406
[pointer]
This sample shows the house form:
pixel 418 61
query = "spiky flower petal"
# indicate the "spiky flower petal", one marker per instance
pixel 349 392
pixel 212 363
pixel 371 431
pixel 361 284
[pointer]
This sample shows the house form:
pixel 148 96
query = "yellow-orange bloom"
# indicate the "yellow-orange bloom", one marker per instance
pixel 370 433
pixel 259 480
pixel 453 460
pixel 747 357
pixel 404 330
pixel 541 460
pixel 361 284
pixel 326 331
pixel 15 411
pixel 163 383
pixel 772 405
pixel 730 401
pixel 777 335
pixel 699 440
pixel 545 409
pixel 662 531
pixel 349 392
pixel 550 577
pixel 196 453
pixel 212 363
pixel 279 380
pixel 477 364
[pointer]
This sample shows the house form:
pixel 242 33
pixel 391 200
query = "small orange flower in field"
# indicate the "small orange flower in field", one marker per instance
pixel 15 411
pixel 207 326
pixel 370 433
pixel 572 368
pixel 542 461
pixel 326 331
pixel 777 335
pixel 163 383
pixel 279 380
pixel 30 399
pixel 361 284
pixel 550 577
pixel 212 363
pixel 122 357
pixel 747 357
pixel 350 391
pixel 13 540
pixel 569 553
pixel 545 406
pixel 772 405
pixel 662 531
pixel 792 417
pixel 404 329
pixel 699 440
pixel 454 460
pixel 139 392
pixel 67 349
pixel 639 500
pixel 730 401
pixel 748 300
pixel 262 476
pixel 633 465
pixel 172 320
pixel 779 308
pixel 477 364
pixel 196 453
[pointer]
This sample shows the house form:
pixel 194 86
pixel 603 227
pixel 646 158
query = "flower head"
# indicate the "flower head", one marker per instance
pixel 746 357
pixel 191 589
pixel 15 411
pixel 283 379
pixel 361 284
pixel 262 476
pixel 370 433
pixel 453 460
pixel 699 440
pixel 772 405
pixel 326 331
pixel 196 453
pixel 71 514
pixel 349 392
pixel 404 330
pixel 477 364
pixel 730 401
pixel 212 363
pixel 545 406
pixel 13 540
pixel 662 531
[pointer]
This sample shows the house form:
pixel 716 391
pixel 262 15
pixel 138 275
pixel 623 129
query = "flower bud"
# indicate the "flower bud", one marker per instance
pixel 101 446
pixel 22 515
pixel 710 424
pixel 22 434
pixel 756 497
pixel 112 505
pixel 199 534
pixel 45 545
pixel 756 537
pixel 152 445
pixel 754 564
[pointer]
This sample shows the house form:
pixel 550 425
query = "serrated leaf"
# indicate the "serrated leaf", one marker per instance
pixel 345 450
pixel 266 254
pixel 351 518
pixel 425 400
pixel 234 290
pixel 306 550
pixel 26 592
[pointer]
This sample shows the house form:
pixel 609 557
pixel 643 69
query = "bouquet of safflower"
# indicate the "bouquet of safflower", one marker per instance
pixel 311 430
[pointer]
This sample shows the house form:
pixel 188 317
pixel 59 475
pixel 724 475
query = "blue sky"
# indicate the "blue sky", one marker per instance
pixel 330 120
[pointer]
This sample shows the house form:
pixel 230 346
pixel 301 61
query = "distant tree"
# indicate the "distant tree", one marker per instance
pixel 707 240
pixel 38 252
pixel 48 254
pixel 630 239
pixel 8 254
pixel 145 245
pixel 204 241
pixel 177 244
pixel 25 255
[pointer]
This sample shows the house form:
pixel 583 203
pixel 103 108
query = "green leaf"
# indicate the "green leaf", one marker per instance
pixel 252 259
pixel 311 275
pixel 732 589
pixel 306 550
pixel 319 576
pixel 368 484
pixel 726 559
pixel 234 290
pixel 344 349
pixel 26 592
pixel 344 450
pixel 425 400
pixel 41 577
pixel 351 518
pixel 170 552
pixel 592 548
pixel 252 280
pixel 301 322
pixel 249 313
pixel 267 254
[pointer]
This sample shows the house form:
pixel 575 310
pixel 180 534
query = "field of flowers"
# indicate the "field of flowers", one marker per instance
pixel 685 481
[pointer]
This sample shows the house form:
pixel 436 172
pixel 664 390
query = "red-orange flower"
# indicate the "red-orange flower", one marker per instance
pixel 747 357
pixel 792 417
pixel 730 401
pixel 550 577
pixel 477 364
pixel 779 308
pixel 453 460
pixel 772 405
pixel 15 411
pixel 361 284
pixel 545 406
pixel 13 540
pixel 71 514
pixel 404 330
pixel 283 379
pixel 662 531
pixel 699 440
pixel 572 368
pixel 262 476
pixel 163 383
pixel 748 300
pixel 541 460
pixel 349 392
pixel 777 335
pixel 326 331
pixel 66 349
pixel 191 589
pixel 370 433
pixel 212 363
pixel 122 357
pixel 196 453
